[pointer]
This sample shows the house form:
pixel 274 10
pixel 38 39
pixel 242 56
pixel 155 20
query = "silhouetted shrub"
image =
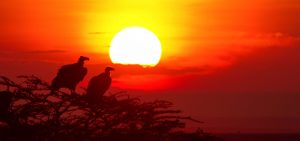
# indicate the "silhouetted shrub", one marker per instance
pixel 37 113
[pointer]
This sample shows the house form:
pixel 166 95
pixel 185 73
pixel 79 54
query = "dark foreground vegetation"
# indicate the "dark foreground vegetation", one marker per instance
pixel 30 111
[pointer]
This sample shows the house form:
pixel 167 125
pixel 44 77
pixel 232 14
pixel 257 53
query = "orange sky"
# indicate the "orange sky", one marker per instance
pixel 245 50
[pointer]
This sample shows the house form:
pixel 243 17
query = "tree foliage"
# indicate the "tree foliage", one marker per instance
pixel 37 113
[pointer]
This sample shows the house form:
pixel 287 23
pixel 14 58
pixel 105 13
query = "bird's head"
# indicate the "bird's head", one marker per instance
pixel 83 58
pixel 108 69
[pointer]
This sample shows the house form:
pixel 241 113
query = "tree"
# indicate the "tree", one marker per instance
pixel 37 113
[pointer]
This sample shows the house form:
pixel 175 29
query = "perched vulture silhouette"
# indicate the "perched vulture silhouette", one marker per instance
pixel 98 85
pixel 5 102
pixel 70 75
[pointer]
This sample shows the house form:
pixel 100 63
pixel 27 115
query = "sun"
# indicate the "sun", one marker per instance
pixel 135 46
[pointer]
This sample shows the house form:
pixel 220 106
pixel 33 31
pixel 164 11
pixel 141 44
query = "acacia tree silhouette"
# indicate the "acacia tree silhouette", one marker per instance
pixel 36 114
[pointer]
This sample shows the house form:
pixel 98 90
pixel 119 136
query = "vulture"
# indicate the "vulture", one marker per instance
pixel 98 85
pixel 70 75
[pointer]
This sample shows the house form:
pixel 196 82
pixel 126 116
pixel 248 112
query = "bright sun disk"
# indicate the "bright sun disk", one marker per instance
pixel 135 46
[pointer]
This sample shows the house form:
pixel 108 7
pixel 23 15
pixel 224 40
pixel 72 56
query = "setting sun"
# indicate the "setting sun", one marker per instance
pixel 232 64
pixel 135 46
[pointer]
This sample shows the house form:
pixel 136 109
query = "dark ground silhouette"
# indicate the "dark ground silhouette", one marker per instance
pixel 36 114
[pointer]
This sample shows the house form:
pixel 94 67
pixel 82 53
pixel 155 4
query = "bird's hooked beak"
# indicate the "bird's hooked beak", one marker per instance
pixel 108 69
pixel 83 58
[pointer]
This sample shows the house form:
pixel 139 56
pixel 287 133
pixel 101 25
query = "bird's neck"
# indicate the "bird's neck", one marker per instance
pixel 107 73
pixel 81 63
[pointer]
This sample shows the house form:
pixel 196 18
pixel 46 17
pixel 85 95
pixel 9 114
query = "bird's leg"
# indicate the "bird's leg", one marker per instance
pixel 52 91
pixel 73 92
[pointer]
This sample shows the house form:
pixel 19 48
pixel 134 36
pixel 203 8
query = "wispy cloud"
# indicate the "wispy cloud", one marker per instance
pixel 97 33
pixel 47 51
